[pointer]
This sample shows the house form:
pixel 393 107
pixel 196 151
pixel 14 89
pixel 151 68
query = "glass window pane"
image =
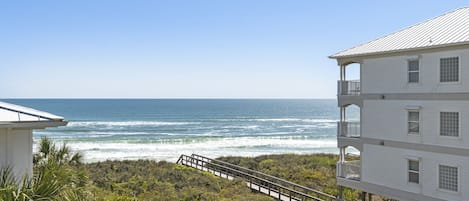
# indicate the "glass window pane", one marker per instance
pixel 448 178
pixel 414 116
pixel 413 165
pixel 414 177
pixel 413 77
pixel 413 65
pixel 449 69
pixel 414 127
pixel 449 124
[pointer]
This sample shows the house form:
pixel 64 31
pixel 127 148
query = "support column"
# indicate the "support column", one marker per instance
pixel 342 114
pixel 341 154
pixel 342 72
pixel 363 196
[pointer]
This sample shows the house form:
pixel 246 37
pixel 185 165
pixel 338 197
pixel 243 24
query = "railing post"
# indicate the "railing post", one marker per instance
pixel 340 194
pixel 279 193
pixel 263 181
pixel 269 188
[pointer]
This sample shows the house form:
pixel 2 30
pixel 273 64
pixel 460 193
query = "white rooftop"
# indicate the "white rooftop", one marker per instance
pixel 14 113
pixel 446 30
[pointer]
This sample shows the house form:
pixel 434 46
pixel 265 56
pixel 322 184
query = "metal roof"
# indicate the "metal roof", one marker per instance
pixel 15 113
pixel 446 30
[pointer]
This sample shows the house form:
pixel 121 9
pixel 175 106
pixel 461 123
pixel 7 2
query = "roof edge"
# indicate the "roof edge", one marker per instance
pixel 33 124
pixel 386 35
pixel 399 51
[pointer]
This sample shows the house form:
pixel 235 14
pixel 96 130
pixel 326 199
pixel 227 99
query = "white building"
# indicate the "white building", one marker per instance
pixel 16 142
pixel 413 95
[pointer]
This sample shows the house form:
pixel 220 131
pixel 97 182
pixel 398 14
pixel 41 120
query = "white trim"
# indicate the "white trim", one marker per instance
pixel 408 121
pixel 413 157
pixel 419 172
pixel 415 58
pixel 413 107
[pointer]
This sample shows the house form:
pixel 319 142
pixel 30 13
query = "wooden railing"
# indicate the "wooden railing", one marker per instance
pixel 263 183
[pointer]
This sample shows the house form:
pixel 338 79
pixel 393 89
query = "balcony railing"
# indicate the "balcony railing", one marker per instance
pixel 348 87
pixel 349 170
pixel 348 129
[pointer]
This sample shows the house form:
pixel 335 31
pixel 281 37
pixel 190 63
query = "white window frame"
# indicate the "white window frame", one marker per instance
pixel 459 69
pixel 408 71
pixel 458 178
pixel 409 171
pixel 408 121
pixel 459 125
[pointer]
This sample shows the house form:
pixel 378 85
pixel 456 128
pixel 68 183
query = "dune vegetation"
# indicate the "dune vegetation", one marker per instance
pixel 60 174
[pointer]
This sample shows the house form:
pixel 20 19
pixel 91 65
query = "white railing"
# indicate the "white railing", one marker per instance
pixel 349 170
pixel 348 129
pixel 348 87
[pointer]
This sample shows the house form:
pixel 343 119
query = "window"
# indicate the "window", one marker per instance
pixel 413 71
pixel 413 171
pixel 449 124
pixel 448 178
pixel 413 123
pixel 449 69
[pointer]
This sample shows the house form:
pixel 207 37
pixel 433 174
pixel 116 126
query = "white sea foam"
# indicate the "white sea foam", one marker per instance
pixel 126 123
pixel 171 149
pixel 242 127
pixel 310 126
pixel 297 120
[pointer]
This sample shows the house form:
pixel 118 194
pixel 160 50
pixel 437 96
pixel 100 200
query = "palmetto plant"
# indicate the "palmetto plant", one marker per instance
pixel 58 175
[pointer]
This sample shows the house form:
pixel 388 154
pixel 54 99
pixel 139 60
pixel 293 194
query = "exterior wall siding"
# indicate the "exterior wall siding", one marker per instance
pixel 19 154
pixel 3 152
pixel 393 171
pixel 387 119
pixel 389 74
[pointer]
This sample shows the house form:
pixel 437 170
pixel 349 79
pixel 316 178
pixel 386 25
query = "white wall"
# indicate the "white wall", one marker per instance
pixel 3 152
pixel 387 119
pixel 388 166
pixel 16 151
pixel 389 74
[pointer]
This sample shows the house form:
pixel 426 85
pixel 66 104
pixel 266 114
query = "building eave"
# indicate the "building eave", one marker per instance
pixel 399 51
pixel 33 124
pixel 357 58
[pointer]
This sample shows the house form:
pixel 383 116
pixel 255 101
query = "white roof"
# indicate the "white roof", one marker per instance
pixel 446 30
pixel 18 114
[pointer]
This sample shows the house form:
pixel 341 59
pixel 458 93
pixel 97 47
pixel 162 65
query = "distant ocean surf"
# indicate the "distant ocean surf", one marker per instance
pixel 162 129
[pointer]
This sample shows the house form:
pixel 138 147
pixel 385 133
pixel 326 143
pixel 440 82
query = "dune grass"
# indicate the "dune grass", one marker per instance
pixel 59 174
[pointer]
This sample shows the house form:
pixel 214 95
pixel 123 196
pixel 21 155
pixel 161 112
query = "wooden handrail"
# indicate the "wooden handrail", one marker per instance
pixel 270 177
pixel 231 170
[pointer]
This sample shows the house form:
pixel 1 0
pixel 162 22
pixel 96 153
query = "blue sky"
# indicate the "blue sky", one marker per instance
pixel 188 48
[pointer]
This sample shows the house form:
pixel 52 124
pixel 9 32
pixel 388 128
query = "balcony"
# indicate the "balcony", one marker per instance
pixel 348 87
pixel 349 170
pixel 348 129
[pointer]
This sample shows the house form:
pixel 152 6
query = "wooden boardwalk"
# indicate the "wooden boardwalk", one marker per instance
pixel 257 181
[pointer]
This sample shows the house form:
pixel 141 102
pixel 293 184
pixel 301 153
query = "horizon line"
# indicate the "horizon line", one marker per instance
pixel 168 98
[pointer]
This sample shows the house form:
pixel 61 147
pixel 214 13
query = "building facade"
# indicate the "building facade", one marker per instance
pixel 413 95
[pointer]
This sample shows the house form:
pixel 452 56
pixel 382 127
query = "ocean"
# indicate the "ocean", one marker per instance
pixel 163 129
